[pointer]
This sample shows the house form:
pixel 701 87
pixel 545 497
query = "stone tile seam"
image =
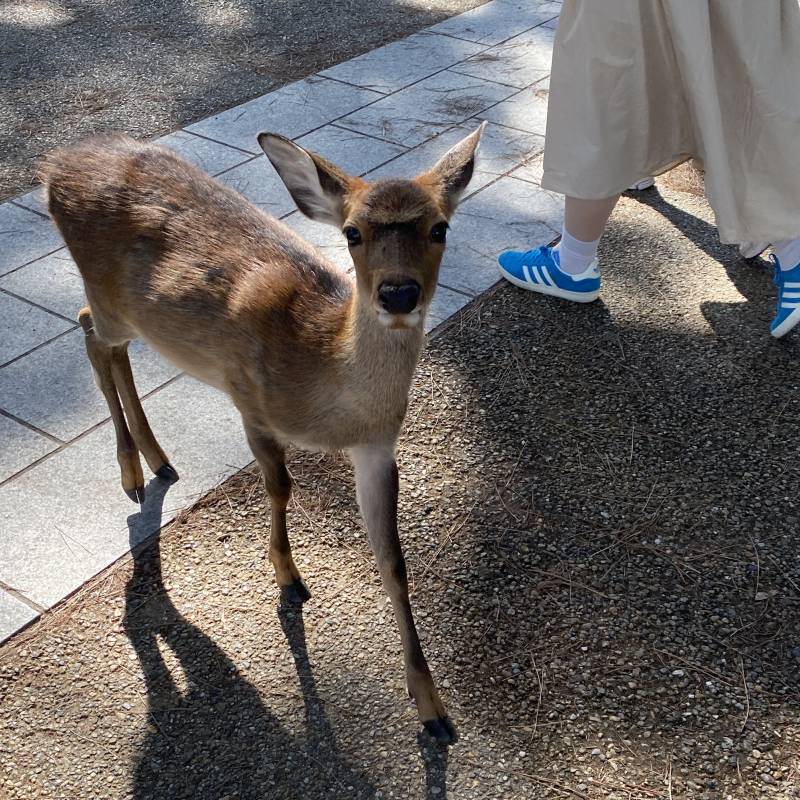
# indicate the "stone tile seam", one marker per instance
pixel 37 305
pixel 541 24
pixel 43 255
pixel 456 291
pixel 15 201
pixel 204 138
pixel 39 346
pixel 31 427
pixel 68 443
pixel 487 80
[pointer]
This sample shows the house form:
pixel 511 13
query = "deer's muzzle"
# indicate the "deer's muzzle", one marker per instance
pixel 399 298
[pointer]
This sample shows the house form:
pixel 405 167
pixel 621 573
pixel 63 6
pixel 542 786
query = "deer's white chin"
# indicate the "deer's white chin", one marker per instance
pixel 400 321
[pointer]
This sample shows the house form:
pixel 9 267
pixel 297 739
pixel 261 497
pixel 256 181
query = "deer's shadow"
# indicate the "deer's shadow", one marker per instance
pixel 209 734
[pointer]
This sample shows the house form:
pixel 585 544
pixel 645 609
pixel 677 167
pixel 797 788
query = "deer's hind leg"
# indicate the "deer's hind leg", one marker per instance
pixel 278 483
pixel 140 428
pixel 127 453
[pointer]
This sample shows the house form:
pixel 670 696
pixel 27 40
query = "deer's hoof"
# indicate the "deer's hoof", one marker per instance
pixel 167 472
pixel 136 494
pixel 295 593
pixel 440 729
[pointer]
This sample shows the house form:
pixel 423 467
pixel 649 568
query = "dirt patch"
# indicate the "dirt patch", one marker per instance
pixel 688 177
pixel 600 517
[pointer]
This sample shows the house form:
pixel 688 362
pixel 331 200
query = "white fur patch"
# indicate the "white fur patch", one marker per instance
pixel 411 320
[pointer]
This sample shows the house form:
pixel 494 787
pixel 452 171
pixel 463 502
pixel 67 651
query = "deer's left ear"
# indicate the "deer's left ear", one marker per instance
pixel 453 171
pixel 317 186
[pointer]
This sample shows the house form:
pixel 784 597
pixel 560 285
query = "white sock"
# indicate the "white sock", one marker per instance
pixel 788 253
pixel 575 255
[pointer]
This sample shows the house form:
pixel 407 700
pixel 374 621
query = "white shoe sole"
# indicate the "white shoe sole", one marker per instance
pixel 553 291
pixel 640 186
pixel 787 324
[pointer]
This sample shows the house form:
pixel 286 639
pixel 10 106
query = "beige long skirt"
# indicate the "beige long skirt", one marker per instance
pixel 640 85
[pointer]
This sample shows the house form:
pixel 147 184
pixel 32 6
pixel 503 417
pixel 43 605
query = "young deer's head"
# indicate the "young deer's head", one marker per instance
pixel 395 228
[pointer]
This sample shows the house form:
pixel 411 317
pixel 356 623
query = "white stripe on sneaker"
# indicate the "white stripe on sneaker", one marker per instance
pixel 546 275
pixel 790 305
pixel 790 285
pixel 791 294
pixel 537 275
pixel 527 273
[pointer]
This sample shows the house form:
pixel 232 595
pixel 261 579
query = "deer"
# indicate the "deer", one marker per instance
pixel 310 354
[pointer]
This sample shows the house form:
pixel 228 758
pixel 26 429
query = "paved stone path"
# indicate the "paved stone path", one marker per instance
pixel 392 111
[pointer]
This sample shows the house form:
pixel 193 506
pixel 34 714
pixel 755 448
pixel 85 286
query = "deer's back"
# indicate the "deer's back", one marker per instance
pixel 171 255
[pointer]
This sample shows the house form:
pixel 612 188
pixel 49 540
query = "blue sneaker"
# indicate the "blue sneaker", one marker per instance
pixel 788 283
pixel 539 271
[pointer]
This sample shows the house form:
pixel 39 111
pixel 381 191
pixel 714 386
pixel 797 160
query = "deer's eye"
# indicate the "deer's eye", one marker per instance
pixel 353 235
pixel 439 233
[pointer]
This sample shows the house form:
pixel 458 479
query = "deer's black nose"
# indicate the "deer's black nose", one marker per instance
pixel 399 299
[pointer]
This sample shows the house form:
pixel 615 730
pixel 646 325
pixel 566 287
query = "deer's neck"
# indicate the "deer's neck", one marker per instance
pixel 378 357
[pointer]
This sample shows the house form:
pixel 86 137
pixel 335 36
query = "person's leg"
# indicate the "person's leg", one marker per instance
pixel 568 270
pixel 586 219
pixel 584 223
pixel 788 253
pixel 786 256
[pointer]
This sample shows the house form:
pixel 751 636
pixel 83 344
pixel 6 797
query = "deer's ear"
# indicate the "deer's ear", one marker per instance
pixel 317 186
pixel 453 171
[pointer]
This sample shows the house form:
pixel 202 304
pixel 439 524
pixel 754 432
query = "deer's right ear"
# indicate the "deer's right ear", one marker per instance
pixel 317 186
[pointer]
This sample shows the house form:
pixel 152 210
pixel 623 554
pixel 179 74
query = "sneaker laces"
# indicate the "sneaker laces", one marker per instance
pixel 538 251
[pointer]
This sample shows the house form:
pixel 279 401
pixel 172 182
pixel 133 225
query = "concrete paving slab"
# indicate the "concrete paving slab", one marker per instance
pixel 351 151
pixel 413 115
pixel 531 170
pixel 23 327
pixel 445 303
pixel 34 201
pixel 53 282
pixel 68 518
pixel 20 446
pixel 13 615
pixel 402 63
pixel 24 236
pixel 526 111
pixel 519 62
pixel 501 150
pixel 53 388
pixel 494 22
pixel 258 181
pixel 510 214
pixel 294 110
pixel 211 157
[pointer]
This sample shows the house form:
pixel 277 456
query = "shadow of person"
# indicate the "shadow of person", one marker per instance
pixel 751 277
pixel 209 735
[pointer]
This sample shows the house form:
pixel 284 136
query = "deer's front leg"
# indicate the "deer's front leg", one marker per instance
pixel 376 489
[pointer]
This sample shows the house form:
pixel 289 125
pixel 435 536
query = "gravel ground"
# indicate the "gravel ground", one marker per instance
pixel 600 517
pixel 76 67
